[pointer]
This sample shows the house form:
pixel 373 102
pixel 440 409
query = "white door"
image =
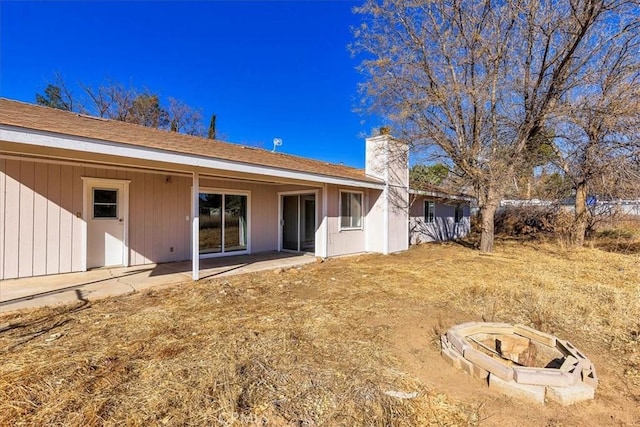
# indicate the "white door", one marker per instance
pixel 106 221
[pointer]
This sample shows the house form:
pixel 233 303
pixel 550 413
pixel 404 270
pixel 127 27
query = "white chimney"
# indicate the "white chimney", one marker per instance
pixel 387 159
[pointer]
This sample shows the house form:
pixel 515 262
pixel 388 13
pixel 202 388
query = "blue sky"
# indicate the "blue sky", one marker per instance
pixel 267 69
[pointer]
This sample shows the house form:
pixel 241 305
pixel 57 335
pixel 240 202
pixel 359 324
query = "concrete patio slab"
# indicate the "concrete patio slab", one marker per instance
pixel 16 294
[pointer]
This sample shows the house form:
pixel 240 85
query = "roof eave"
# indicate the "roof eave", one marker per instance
pixel 441 195
pixel 36 137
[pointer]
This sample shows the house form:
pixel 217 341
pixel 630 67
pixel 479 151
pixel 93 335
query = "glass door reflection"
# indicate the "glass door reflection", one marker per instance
pixel 223 223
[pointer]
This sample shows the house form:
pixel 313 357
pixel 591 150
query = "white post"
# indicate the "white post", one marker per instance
pixel 195 232
pixel 324 225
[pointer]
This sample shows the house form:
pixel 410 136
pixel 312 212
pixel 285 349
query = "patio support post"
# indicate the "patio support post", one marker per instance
pixel 195 231
pixel 324 226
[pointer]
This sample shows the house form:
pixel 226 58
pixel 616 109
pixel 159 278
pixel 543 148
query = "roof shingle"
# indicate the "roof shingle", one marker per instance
pixel 29 116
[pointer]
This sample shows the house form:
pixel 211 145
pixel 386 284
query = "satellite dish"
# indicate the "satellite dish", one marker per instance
pixel 277 142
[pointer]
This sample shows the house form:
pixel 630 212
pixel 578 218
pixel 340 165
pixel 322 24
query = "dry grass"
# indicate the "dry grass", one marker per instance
pixel 321 345
pixel 623 237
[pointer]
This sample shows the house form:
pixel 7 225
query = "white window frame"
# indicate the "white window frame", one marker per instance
pixel 361 226
pixel 426 212
pixel 229 192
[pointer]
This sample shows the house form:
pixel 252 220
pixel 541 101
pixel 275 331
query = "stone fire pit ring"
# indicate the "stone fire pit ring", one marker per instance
pixel 521 361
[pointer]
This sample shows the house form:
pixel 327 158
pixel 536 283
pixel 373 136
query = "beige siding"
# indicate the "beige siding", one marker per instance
pixel 66 218
pixel 375 222
pixel 3 179
pixel 417 207
pixel 42 225
pixel 264 219
pixel 443 227
pixel 158 206
pixel 184 227
pixel 26 221
pixel 136 232
pixel 145 247
pixel 157 217
pixel 12 218
pixel 398 221
pixel 40 220
pixel 343 242
pixel 77 220
pixel 53 218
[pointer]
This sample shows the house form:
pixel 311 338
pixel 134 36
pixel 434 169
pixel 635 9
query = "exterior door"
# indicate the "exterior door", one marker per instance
pixel 106 220
pixel 308 222
pixel 224 226
pixel 291 222
pixel 298 222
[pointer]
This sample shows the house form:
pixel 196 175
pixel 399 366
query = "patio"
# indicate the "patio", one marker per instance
pixel 16 294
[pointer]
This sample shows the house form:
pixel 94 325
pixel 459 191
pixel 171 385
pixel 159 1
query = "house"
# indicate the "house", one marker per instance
pixel 81 192
pixel 436 215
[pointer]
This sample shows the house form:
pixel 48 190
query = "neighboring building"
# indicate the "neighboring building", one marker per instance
pixel 435 215
pixel 80 192
pixel 595 205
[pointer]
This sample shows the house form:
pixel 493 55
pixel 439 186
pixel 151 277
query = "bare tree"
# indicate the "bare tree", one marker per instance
pixel 112 101
pixel 599 131
pixel 184 119
pixel 117 102
pixel 476 81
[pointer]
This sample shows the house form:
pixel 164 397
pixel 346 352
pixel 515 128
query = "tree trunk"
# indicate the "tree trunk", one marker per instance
pixel 488 203
pixel 487 227
pixel 579 226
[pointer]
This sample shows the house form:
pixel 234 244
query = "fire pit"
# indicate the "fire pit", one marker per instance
pixel 521 361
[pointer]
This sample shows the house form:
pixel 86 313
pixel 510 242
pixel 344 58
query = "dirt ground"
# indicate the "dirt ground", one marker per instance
pixel 325 343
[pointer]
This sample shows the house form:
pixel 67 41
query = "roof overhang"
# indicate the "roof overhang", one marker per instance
pixel 183 161
pixel 441 195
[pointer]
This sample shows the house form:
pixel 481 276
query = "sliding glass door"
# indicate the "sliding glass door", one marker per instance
pixel 299 222
pixel 223 223
pixel 235 223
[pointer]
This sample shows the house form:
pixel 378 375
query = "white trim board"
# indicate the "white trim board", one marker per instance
pixel 89 145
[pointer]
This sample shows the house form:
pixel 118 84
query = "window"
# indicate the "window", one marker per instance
pixel 350 210
pixel 105 203
pixel 429 211
pixel 459 214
